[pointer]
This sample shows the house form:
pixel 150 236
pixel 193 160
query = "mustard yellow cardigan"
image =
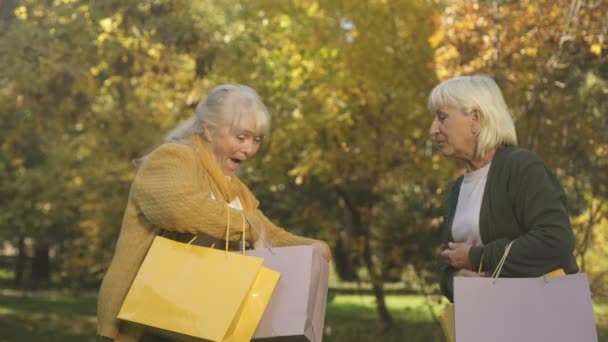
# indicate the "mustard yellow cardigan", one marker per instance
pixel 171 191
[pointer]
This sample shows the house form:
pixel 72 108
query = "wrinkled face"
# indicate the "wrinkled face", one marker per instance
pixel 455 133
pixel 231 146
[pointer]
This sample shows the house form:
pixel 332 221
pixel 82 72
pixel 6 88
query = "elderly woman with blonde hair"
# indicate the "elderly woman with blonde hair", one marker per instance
pixel 507 194
pixel 188 186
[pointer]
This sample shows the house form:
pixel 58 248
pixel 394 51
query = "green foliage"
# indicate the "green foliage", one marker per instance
pixel 85 88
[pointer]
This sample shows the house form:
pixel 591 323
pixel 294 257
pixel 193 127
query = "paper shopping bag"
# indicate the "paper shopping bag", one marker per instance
pixel 296 311
pixel 254 306
pixel 556 309
pixel 199 292
pixel 446 319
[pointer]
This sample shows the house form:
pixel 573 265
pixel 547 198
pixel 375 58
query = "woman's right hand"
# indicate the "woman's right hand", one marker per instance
pixel 468 273
pixel 259 243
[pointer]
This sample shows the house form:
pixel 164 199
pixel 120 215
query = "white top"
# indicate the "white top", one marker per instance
pixel 465 227
pixel 236 202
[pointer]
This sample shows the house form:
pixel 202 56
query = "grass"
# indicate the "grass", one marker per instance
pixel 354 318
pixel 52 316
pixel 6 275
pixel 46 317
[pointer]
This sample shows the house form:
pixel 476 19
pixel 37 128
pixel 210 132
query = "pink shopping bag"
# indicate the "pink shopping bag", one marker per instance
pixel 555 309
pixel 296 311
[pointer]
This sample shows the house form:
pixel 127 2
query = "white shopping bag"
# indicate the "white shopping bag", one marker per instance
pixel 552 309
pixel 296 311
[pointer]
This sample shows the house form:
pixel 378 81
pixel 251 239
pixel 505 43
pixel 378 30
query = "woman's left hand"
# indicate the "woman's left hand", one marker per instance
pixel 457 255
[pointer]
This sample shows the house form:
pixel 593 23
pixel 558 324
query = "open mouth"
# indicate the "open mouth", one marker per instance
pixel 236 161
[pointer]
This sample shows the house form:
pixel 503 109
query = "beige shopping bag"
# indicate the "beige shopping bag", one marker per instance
pixel 547 308
pixel 296 311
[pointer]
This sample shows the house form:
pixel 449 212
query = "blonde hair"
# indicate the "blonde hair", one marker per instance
pixel 478 92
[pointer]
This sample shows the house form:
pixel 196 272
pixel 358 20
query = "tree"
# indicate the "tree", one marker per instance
pixel 347 85
pixel 85 88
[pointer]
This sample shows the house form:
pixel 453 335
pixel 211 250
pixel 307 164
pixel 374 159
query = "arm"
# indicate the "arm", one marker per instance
pixel 278 236
pixel 172 193
pixel 445 269
pixel 547 242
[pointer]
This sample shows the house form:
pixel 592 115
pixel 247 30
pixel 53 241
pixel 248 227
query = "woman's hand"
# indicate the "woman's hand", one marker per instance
pixel 467 273
pixel 259 244
pixel 320 246
pixel 323 249
pixel 457 255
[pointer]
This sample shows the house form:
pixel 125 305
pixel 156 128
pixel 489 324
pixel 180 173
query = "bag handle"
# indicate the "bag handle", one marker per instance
pixel 269 245
pixel 501 263
pixel 227 231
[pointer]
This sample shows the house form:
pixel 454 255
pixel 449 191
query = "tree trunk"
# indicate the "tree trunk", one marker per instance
pixel 346 268
pixel 378 289
pixel 20 262
pixel 41 264
pixel 595 216
pixel 361 233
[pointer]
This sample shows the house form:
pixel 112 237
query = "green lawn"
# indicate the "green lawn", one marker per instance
pixel 47 317
pixel 55 317
pixel 354 318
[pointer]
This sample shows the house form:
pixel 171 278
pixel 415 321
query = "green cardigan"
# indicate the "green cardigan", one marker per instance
pixel 522 201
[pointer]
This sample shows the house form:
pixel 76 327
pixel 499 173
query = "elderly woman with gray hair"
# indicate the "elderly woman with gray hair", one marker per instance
pixel 188 187
pixel 507 194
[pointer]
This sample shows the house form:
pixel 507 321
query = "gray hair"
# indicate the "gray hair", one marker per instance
pixel 226 105
pixel 478 92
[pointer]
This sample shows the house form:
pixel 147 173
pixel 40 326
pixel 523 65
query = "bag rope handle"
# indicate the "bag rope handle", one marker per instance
pixel 481 263
pixel 228 229
pixel 501 263
pixel 227 242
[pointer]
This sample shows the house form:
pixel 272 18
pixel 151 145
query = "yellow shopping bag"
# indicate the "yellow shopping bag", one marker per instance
pixel 254 306
pixel 199 292
pixel 447 322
